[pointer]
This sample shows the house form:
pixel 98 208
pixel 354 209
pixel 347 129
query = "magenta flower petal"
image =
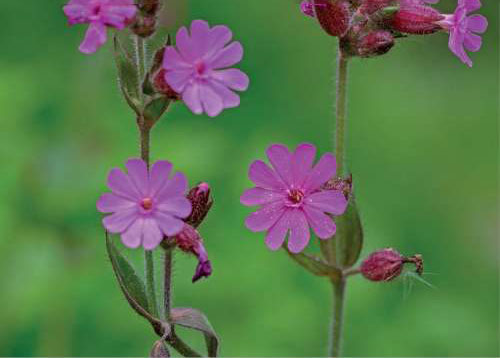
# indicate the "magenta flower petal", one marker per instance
pixel 299 231
pixel 276 235
pixel 120 221
pixel 264 177
pixel 322 172
pixel 110 203
pixel 472 42
pixel 99 14
pixel 477 23
pixel 132 237
pixel 260 196
pixel 152 234
pixel 264 218
pixel 330 201
pixel 147 205
pixel 280 158
pixel 158 176
pixel 196 70
pixel 470 5
pixel 294 200
pixel 322 224
pixel 302 160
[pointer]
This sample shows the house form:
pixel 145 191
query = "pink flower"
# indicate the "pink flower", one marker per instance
pixel 190 241
pixel 197 68
pixel 463 29
pixel 146 205
pixel 291 198
pixel 99 14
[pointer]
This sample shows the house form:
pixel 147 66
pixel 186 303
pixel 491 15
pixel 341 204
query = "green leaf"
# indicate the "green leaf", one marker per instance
pixel 156 107
pixel 194 319
pixel 349 235
pixel 316 265
pixel 127 275
pixel 127 75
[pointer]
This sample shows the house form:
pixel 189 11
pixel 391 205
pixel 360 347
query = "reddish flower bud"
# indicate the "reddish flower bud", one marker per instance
pixel 387 264
pixel 375 43
pixel 162 86
pixel 149 7
pixel 334 16
pixel 144 26
pixel 201 201
pixel 417 19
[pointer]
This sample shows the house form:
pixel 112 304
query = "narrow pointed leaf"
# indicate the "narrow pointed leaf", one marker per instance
pixel 316 265
pixel 349 235
pixel 194 319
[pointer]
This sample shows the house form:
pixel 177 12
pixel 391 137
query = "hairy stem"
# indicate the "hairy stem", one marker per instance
pixel 341 110
pixel 140 49
pixel 167 283
pixel 335 347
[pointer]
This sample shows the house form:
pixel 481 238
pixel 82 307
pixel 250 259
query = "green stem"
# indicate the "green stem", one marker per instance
pixel 335 347
pixel 341 110
pixel 140 49
pixel 167 283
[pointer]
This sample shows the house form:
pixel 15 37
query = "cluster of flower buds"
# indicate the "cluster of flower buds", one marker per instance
pixel 145 23
pixel 368 28
pixel 387 264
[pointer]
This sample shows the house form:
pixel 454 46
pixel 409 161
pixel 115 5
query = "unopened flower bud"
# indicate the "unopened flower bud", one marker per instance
pixel 149 7
pixel 190 241
pixel 344 185
pixel 375 43
pixel 333 15
pixel 416 19
pixel 387 264
pixel 145 26
pixel 159 350
pixel 201 202
pixel 162 86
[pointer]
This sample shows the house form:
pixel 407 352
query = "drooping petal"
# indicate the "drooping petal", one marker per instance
pixel 110 203
pixel 277 233
pixel 321 173
pixel 232 78
pixel 121 185
pixel 280 158
pixel 302 160
pixel 211 101
pixel 472 42
pixel 264 218
pixel 265 177
pixel 173 188
pixel 477 23
pixel 132 237
pixel 191 97
pixel 299 231
pixel 168 224
pixel 138 174
pixel 151 234
pixel 178 206
pixel 120 221
pixel 322 224
pixel 456 46
pixel 260 196
pixel 95 37
pixel 330 201
pixel 228 56
pixel 158 176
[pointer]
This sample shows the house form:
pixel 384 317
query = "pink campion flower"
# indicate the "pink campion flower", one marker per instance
pixel 146 205
pixel 291 198
pixel 197 68
pixel 99 14
pixel 463 29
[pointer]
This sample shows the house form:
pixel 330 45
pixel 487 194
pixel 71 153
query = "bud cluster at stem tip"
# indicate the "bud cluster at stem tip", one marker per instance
pixel 145 23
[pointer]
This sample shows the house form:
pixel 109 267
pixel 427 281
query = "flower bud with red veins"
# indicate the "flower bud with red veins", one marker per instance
pixel 334 16
pixel 387 264
pixel 162 86
pixel 375 43
pixel 201 202
pixel 416 19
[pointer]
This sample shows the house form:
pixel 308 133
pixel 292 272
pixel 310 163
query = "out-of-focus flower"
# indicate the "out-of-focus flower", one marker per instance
pixel 146 205
pixel 197 68
pixel 463 29
pixel 291 198
pixel 99 14
pixel 190 241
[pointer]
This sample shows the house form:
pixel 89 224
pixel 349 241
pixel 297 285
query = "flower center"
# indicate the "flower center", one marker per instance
pixel 96 10
pixel 295 196
pixel 200 68
pixel 147 203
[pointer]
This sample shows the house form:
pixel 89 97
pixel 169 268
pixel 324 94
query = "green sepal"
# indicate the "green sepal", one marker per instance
pixel 155 108
pixel 128 77
pixel 316 265
pixel 194 319
pixel 349 235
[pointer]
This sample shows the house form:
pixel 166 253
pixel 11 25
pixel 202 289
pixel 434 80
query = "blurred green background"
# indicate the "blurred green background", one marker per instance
pixel 422 147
